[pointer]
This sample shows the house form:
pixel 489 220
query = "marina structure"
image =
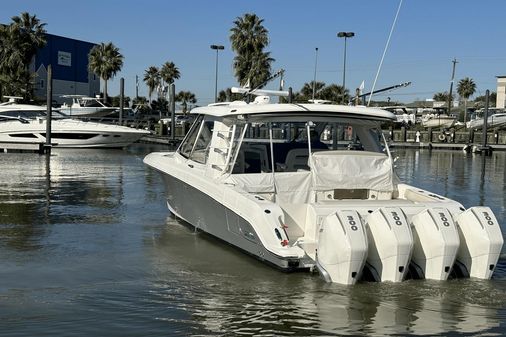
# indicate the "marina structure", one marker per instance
pixel 69 60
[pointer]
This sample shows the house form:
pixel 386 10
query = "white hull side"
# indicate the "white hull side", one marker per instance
pixel 492 122
pixel 435 122
pixel 87 111
pixel 234 225
pixel 69 133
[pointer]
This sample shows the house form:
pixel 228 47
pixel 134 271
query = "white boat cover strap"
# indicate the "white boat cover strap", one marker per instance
pixel 351 170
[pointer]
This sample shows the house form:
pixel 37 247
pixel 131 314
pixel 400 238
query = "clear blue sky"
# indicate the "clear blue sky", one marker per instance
pixel 428 35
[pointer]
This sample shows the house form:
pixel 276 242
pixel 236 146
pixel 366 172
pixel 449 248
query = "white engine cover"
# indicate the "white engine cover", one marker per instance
pixel 390 243
pixel 481 241
pixel 342 247
pixel 436 241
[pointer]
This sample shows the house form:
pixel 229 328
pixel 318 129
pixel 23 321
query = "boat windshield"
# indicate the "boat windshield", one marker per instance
pixel 239 146
pixel 32 114
pixel 293 141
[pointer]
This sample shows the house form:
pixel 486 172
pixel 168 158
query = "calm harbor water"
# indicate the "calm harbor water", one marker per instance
pixel 88 248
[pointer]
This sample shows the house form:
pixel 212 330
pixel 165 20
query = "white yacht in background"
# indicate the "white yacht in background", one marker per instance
pixel 83 106
pixel 66 132
pixel 494 120
pixel 438 120
pixel 259 177
pixel 13 108
pixel 403 116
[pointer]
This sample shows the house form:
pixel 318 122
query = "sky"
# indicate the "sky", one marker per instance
pixel 427 36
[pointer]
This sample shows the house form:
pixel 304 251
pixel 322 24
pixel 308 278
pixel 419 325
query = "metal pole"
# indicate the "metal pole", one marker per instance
pixel 217 48
pixel 280 85
pixel 172 98
pixel 314 78
pixel 451 86
pixel 121 99
pixel 136 87
pixel 216 80
pixel 485 118
pixel 49 100
pixel 346 35
pixel 344 68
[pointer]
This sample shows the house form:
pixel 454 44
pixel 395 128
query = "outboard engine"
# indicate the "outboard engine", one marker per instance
pixel 436 242
pixel 342 247
pixel 481 242
pixel 390 244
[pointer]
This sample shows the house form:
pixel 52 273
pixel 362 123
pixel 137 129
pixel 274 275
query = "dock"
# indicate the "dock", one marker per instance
pixel 444 146
pixel 34 147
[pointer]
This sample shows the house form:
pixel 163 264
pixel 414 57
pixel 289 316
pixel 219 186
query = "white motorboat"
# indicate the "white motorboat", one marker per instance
pixel 258 177
pixel 496 120
pixel 438 120
pixel 83 106
pixel 66 132
pixel 403 116
pixel 13 108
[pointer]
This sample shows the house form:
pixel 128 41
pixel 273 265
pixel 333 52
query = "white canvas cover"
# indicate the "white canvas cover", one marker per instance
pixel 291 187
pixel 253 182
pixel 351 170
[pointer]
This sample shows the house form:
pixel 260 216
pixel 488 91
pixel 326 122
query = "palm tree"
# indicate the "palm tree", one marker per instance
pixel 335 93
pixel 466 88
pixel 152 79
pixel 31 35
pixel 19 42
pixel 186 97
pixel 105 60
pixel 307 89
pixel 169 72
pixel 249 38
pixel 441 96
pixel 228 96
pixel 480 101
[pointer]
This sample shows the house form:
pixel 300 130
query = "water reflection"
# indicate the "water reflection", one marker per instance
pixel 228 292
pixel 85 246
pixel 36 191
pixel 471 179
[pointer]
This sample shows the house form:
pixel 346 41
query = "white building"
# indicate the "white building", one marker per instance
pixel 501 92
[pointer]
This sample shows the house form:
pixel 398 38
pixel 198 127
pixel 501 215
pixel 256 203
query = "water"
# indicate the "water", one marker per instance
pixel 87 248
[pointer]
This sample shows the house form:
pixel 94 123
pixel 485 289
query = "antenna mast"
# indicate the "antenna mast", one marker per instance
pixel 384 51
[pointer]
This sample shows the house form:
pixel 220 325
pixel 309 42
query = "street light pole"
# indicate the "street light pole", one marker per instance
pixel 314 78
pixel 345 35
pixel 217 48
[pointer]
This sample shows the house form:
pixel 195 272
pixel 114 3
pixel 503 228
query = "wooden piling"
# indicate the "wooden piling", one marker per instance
pixel 49 102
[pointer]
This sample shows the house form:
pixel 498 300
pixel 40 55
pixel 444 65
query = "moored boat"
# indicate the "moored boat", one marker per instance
pixel 263 178
pixel 66 132
pixel 496 120
pixel 83 106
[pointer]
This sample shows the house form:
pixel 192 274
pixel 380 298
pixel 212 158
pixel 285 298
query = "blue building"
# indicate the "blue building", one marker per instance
pixel 69 61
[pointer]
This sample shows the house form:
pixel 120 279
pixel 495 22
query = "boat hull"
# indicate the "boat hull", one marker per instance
pixel 215 219
pixel 493 121
pixel 435 122
pixel 69 133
